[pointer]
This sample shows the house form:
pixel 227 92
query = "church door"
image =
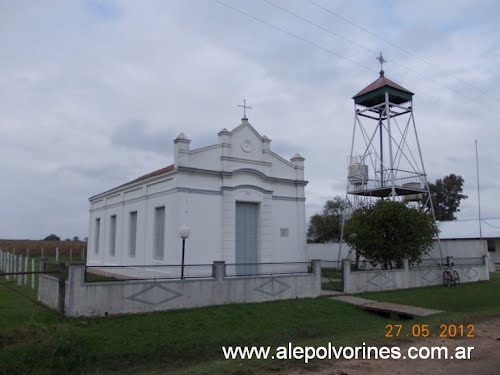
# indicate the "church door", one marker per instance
pixel 246 238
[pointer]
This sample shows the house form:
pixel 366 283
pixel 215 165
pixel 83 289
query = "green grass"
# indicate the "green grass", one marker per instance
pixel 478 298
pixel 34 340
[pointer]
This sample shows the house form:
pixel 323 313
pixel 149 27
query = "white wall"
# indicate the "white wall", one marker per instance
pixel 454 248
pixel 460 248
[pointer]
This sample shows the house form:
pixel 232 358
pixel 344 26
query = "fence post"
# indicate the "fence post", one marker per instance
pixel 316 269
pixel 7 265
pixel 44 265
pixel 26 270
pixel 32 274
pixel 346 273
pixel 62 288
pixel 406 268
pixel 1 260
pixel 219 267
pixel 486 263
pixel 14 265
pixel 57 254
pixel 19 270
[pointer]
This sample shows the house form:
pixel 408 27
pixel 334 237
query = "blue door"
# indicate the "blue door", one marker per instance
pixel 246 238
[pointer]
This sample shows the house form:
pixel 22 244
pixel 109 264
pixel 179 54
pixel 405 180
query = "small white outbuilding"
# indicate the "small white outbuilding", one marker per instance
pixel 242 202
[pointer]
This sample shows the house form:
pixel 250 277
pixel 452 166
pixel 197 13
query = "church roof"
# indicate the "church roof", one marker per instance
pixel 168 168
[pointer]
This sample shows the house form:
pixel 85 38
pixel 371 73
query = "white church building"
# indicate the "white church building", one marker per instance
pixel 242 202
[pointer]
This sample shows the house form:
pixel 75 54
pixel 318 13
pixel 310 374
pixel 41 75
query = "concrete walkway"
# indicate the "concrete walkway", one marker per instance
pixel 386 307
pixel 331 293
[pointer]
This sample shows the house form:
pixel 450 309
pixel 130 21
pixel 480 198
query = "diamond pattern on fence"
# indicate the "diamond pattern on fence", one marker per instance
pixel 380 280
pixel 433 275
pixel 272 287
pixel 148 296
pixel 469 274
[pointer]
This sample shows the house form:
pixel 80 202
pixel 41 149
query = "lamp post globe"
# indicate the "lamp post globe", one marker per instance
pixel 184 232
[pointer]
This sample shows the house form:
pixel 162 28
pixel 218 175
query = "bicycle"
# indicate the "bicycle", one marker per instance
pixel 450 276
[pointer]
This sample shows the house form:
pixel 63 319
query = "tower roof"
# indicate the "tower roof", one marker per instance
pixel 374 93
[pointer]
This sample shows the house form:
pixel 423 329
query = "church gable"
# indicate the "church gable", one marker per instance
pixel 241 148
pixel 246 143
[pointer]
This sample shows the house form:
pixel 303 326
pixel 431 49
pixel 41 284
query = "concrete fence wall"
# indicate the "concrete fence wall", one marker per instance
pixel 377 280
pixel 48 291
pixel 129 297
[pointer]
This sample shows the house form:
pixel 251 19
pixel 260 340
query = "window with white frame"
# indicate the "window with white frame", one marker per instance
pixel 97 235
pixel 132 234
pixel 112 236
pixel 159 233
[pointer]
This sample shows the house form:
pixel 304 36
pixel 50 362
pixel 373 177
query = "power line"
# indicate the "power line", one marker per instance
pixel 491 225
pixel 405 51
pixel 316 45
pixel 355 43
pixel 320 27
pixel 311 43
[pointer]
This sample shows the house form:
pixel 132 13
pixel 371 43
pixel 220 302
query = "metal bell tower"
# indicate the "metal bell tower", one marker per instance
pixel 386 159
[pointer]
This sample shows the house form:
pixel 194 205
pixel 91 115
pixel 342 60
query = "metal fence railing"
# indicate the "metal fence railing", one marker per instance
pixel 429 263
pixel 467 261
pixel 364 265
pixel 331 264
pixel 148 272
pixel 266 269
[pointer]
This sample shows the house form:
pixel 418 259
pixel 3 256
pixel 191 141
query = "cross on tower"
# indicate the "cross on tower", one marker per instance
pixel 244 106
pixel 381 60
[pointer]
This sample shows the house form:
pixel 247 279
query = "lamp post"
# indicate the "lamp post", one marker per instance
pixel 184 231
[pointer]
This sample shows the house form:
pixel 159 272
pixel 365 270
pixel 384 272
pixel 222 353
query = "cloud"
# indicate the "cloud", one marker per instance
pixel 136 134
pixel 94 92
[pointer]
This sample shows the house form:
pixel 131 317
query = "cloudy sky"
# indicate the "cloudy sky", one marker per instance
pixel 93 92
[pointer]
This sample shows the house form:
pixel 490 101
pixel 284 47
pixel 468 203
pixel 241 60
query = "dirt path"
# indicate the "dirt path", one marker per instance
pixel 485 358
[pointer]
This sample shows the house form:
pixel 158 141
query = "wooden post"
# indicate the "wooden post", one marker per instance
pixel 33 275
pixel 44 265
pixel 57 254
pixel 19 270
pixel 7 265
pixel 70 254
pixel 42 254
pixel 14 265
pixel 26 270
pixel 62 288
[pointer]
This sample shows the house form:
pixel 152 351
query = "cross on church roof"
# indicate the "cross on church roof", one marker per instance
pixel 381 60
pixel 244 106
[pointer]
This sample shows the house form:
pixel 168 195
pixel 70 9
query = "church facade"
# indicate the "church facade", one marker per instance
pixel 242 202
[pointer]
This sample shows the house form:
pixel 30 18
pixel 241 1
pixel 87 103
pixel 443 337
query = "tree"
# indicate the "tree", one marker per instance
pixel 76 239
pixel 446 195
pixel 388 231
pixel 326 226
pixel 52 237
